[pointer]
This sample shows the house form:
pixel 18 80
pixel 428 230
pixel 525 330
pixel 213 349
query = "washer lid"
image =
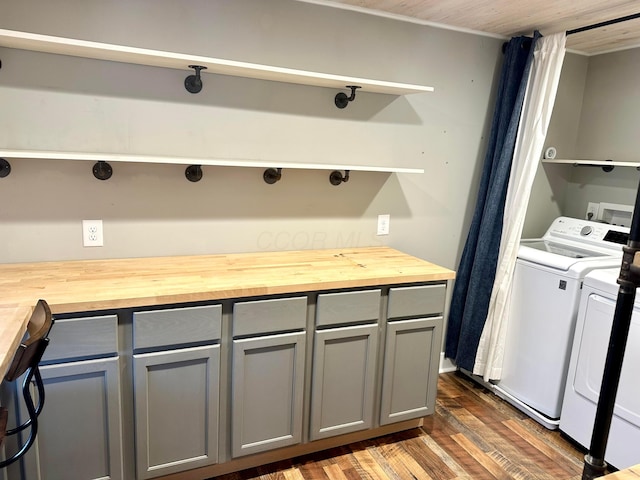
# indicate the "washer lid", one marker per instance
pixel 569 259
pixel 562 249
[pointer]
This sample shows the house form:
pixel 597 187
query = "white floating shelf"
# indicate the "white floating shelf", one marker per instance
pixel 594 163
pixel 116 157
pixel 181 61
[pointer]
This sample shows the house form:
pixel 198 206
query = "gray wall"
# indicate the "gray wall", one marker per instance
pixel 551 182
pixel 608 130
pixel 596 116
pixel 64 103
pixel 611 108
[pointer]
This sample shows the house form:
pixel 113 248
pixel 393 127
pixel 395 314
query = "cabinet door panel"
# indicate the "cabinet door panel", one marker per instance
pixel 343 380
pixel 268 382
pixel 410 375
pixel 176 410
pixel 79 430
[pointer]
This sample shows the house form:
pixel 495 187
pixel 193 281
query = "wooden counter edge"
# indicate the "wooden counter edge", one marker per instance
pixel 631 473
pixel 13 325
pixel 253 291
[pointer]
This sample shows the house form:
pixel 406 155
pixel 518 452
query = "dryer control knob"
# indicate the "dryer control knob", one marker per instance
pixel 586 230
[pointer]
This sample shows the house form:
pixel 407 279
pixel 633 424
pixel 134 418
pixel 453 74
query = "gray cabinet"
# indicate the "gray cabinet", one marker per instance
pixel 344 362
pixel 421 300
pixel 79 434
pixel 412 352
pixel 267 374
pixel 410 377
pixel 8 396
pixel 80 428
pixel 268 383
pixel 176 389
pixel 344 372
pixel 163 329
pixel 176 410
pixel 298 370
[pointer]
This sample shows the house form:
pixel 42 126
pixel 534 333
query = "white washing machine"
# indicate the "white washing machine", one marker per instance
pixel 544 304
pixel 590 344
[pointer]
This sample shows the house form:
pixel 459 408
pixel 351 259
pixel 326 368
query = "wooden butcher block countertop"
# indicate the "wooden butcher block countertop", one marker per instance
pixel 631 473
pixel 86 285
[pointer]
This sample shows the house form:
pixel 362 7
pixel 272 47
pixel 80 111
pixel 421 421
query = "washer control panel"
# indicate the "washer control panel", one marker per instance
pixel 588 233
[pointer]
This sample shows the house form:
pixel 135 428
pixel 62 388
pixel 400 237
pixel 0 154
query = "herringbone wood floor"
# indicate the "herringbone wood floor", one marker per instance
pixel 473 435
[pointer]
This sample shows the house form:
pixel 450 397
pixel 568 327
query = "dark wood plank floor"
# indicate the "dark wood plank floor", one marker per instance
pixel 473 435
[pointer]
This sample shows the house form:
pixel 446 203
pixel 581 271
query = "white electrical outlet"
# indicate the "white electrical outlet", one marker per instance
pixel 383 224
pixel 92 233
pixel 592 211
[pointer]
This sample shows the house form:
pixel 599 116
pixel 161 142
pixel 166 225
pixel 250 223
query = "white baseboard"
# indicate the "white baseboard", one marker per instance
pixel 478 379
pixel 446 365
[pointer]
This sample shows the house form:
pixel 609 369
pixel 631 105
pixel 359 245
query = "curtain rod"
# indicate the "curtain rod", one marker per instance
pixel 603 24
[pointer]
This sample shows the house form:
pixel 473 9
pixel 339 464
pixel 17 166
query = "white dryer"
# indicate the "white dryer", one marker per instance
pixel 590 344
pixel 544 304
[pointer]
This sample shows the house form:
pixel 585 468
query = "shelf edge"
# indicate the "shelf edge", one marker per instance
pixel 142 56
pixel 595 163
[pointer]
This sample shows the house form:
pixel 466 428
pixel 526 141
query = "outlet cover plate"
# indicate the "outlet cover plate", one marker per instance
pixel 383 224
pixel 592 211
pixel 92 233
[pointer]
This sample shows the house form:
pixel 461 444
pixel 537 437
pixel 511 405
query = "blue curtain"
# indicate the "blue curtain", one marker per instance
pixel 477 269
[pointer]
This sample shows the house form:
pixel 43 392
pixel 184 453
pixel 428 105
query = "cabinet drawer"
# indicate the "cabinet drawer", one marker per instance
pixel 269 316
pixel 82 337
pixel 157 328
pixel 348 307
pixel 414 301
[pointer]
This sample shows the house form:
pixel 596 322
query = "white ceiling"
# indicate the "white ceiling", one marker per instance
pixel 516 17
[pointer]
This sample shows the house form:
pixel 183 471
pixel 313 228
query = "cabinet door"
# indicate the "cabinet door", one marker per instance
pixel 80 428
pixel 411 363
pixel 176 410
pixel 10 398
pixel 268 382
pixel 342 389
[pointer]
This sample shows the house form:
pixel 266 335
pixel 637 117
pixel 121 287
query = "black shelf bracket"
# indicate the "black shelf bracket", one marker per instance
pixel 336 177
pixel 193 173
pixel 193 83
pixel 605 168
pixel 342 100
pixel 102 170
pixel 272 175
pixel 5 168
